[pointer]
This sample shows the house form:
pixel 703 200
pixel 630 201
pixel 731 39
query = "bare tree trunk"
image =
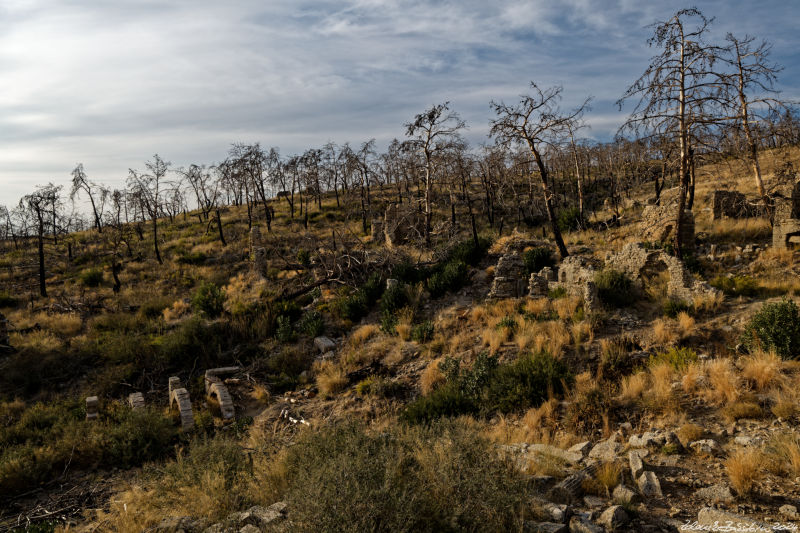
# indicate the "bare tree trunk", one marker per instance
pixel 219 227
pixel 155 240
pixel 40 235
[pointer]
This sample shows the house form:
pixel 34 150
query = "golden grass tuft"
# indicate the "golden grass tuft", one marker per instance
pixel 783 451
pixel 723 382
pixel 608 476
pixel 708 303
pixel 692 377
pixel 565 307
pixel 41 341
pixel 689 432
pixel 494 338
pixel 686 324
pixel 331 377
pixel 744 469
pixel 761 369
pixel 536 306
pixel 785 401
pixel 660 394
pixel 663 332
pixel 176 311
pixel 632 387
pixel 363 334
pixel 431 377
pixel 553 337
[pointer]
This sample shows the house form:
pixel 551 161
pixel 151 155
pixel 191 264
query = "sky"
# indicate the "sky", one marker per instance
pixel 109 84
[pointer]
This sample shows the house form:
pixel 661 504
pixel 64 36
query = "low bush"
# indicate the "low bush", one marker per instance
pixel 92 277
pixel 569 219
pixel 672 308
pixel 284 332
pixel 537 258
pixel 468 251
pixel 440 478
pixel 736 285
pixel 776 326
pixel 677 358
pixel 422 332
pixel 527 382
pixel 311 324
pixel 614 288
pixel 452 276
pixel 304 257
pixel 394 298
pixel 379 387
pixel 6 300
pixel 209 299
pixel 191 258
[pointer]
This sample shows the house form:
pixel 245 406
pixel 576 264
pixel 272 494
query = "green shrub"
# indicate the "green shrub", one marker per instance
pixel 191 258
pixel 91 277
pixel 422 332
pixel 379 387
pixel 587 409
pixel 537 258
pixel 614 288
pixel 304 257
pixel 558 292
pixel 672 308
pixel 736 285
pixel 284 332
pixel 527 382
pixel 209 300
pixel 153 308
pixel 452 276
pixel 311 324
pixel 508 322
pixel 394 298
pixel 468 252
pixel 569 219
pixel 373 288
pixel 288 308
pixel 345 477
pixel 352 306
pixel 445 401
pixel 776 326
pixel 677 358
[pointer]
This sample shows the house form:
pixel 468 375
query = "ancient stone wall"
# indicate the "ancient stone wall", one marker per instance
pixel 731 204
pixel 658 223
pixel 642 265
pixel 786 218
pixel 509 277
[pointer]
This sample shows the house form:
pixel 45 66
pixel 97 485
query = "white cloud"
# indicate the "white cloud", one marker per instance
pixel 111 83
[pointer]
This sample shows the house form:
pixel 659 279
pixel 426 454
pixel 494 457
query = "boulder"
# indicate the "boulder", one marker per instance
pixel 623 494
pixel 605 450
pixel 649 485
pixel 579 524
pixel 324 344
pixel 636 464
pixel 715 494
pixel 614 517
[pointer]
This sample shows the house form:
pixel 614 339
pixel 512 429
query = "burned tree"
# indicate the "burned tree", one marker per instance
pixel 42 205
pixel 97 194
pixel 146 190
pixel 537 122
pixel 677 94
pixel 432 132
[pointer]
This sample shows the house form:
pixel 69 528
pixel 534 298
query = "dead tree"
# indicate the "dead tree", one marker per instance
pixel 536 122
pixel 81 183
pixel 42 204
pixel 432 132
pixel 677 93
pixel 146 188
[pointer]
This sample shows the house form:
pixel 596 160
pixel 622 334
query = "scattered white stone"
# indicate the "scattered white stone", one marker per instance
pixel 649 485
pixel 545 527
pixel 594 501
pixel 568 456
pixel 789 511
pixel 324 344
pixel 582 448
pixel 605 450
pixel 613 517
pixel 623 494
pixel 709 517
pixel 707 446
pixel 646 440
pixel 578 524
pixel 636 464
pixel 715 493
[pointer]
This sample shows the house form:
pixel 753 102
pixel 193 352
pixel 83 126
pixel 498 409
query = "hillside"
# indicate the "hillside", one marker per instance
pixel 339 379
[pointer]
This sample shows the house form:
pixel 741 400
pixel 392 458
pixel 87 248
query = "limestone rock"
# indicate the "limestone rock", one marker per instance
pixel 605 450
pixel 582 448
pixel 707 446
pixel 568 456
pixel 613 517
pixel 324 344
pixel 580 525
pixel 709 516
pixel 649 485
pixel 544 527
pixel 179 524
pixel 636 464
pixel 789 511
pixel 715 493
pixel 623 494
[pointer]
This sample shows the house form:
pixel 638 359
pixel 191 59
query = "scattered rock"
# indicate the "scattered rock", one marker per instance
pixel 568 456
pixel 646 440
pixel 544 527
pixel 179 524
pixel 707 446
pixel 715 493
pixel 789 511
pixel 649 485
pixel 636 464
pixel 708 517
pixel 582 448
pixel 613 517
pixel 594 501
pixel 249 528
pixel 324 344
pixel 578 524
pixel 623 494
pixel 605 450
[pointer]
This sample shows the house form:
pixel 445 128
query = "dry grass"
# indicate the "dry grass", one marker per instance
pixel 363 334
pixel 744 469
pixel 663 332
pixel 431 377
pixel 176 311
pixel 785 401
pixel 783 451
pixel 772 257
pixel 537 306
pixel 761 369
pixel 41 341
pixel 608 476
pixel 582 332
pixel 708 303
pixel 331 378
pixel 686 325
pixel 660 396
pixel 742 409
pixel 693 377
pixel 689 432
pixel 565 307
pixel 494 338
pixel 632 387
pixel 553 337
pixel 723 382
